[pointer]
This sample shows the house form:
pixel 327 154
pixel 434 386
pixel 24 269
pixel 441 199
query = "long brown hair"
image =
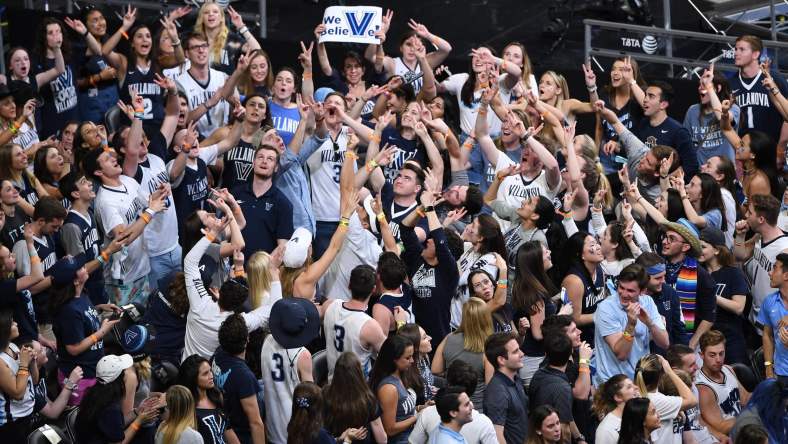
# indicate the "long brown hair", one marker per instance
pixel 531 283
pixel 246 85
pixel 347 400
pixel 605 396
pixel 307 417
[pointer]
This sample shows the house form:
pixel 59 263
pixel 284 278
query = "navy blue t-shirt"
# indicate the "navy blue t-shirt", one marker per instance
pixel 407 150
pixel 433 287
pixel 757 110
pixel 22 304
pixel 75 321
pixel 236 381
pixel 60 99
pixel 730 281
pixel 671 133
pixel 170 328
pixel 108 426
pixel 269 217
pixel 396 213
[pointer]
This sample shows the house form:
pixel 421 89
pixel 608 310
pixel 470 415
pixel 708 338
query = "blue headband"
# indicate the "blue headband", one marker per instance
pixel 655 269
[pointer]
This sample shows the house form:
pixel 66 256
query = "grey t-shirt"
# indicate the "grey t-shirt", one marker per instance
pixel 188 436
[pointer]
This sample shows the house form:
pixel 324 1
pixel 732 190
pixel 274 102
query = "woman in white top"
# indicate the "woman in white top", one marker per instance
pixel 179 427
pixel 407 64
pixel 16 382
pixel 650 370
pixel 609 401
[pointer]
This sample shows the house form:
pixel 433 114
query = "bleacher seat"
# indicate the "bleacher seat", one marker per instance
pixel 320 368
pixel 48 434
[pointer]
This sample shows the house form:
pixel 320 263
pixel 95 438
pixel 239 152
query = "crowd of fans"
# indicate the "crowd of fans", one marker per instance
pixel 202 245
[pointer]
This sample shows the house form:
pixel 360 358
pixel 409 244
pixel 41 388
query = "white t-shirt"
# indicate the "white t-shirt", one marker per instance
pixel 161 236
pixel 670 428
pixel 26 136
pixel 122 206
pixel 204 317
pixel 757 270
pixel 197 93
pixel 480 430
pixel 730 216
pixel 360 248
pixel 454 85
pixel 279 368
pixel 324 166
pixel 515 189
pixel 469 261
pixel 607 432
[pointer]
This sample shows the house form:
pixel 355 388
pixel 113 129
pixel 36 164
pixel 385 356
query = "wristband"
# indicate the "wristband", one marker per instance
pixel 374 138
pixel 150 211
pixel 584 370
pixel 210 237
pixel 591 89
pixel 344 223
pixel 468 144
pixel 139 116
pixel 239 273
pixel 503 283
pixel 23 372
pixel 628 336
pixel 400 324
pixel 503 64
pixel 92 80
pixel 243 30
pixel 429 208
pixel 134 426
pixel 420 212
pixel 124 34
pixel 104 255
pixel 101 260
pixel 381 217
pixel 351 155
pixel 146 217
pixel 767 363
pixel 371 165
pixel 94 338
pixel 306 75
pixel 583 361
pixel 176 43
pixel 483 111
pixel 35 260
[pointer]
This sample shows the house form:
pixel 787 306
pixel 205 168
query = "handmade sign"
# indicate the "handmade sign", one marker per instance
pixel 356 24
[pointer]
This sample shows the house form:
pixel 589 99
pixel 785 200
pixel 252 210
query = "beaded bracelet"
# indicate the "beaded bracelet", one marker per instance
pixel 371 165
pixel 381 217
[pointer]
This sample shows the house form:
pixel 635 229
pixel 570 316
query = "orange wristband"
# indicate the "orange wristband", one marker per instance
pixel 145 217
pixel 306 75
pixel 209 237
pixel 584 370
pixel 104 255
pixel 134 426
pixel 35 260
pixel 124 34
pixel 94 338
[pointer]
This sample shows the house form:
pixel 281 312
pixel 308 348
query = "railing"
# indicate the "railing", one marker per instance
pixel 649 45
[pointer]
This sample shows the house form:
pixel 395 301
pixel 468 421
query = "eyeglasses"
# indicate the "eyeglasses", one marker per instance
pixel 481 284
pixel 673 239
pixel 202 46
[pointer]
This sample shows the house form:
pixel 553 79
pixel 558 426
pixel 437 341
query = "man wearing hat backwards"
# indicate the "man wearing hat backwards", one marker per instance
pixel 694 285
pixel 285 361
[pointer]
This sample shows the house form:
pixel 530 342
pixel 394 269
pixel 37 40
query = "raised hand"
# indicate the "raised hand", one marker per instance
pixel 169 25
pixel 454 216
pixel 385 21
pixel 488 94
pixel 129 18
pixel 319 30
pixel 29 109
pixel 569 134
pixel 419 28
pixel 611 147
pixel 235 18
pixel 76 25
pixel 305 58
pixel 421 130
pixel 126 109
pixel 588 74
pixel 665 164
pixel 244 60
pixel 383 121
pixel 165 82
pixel 178 13
pixel 627 71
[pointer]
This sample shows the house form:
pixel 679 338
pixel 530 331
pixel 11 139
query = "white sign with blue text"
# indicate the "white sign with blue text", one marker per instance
pixel 356 24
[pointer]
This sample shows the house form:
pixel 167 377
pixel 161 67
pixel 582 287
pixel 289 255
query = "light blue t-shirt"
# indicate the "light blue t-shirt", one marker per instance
pixel 445 435
pixel 706 135
pixel 285 120
pixel 772 310
pixel 610 318
pixel 713 218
